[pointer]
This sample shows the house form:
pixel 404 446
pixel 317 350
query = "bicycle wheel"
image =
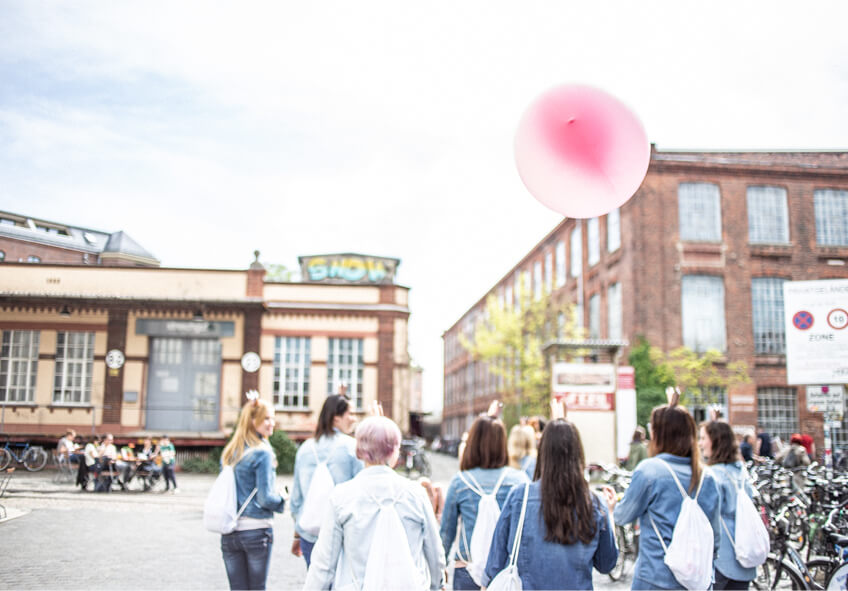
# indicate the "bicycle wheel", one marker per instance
pixel 778 575
pixel 5 458
pixel 35 459
pixel 620 542
pixel 819 570
pixel 838 579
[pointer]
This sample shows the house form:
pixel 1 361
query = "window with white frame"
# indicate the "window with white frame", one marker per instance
pixel 292 361
pixel 767 312
pixel 768 216
pixel 614 230
pixel 593 241
pixel 578 315
pixel 576 252
pixel 517 290
pixel 614 313
pixel 831 208
pixel 595 317
pixel 703 312
pixel 777 411
pixel 74 367
pixel 18 365
pixel 549 271
pixel 560 264
pixel 508 296
pixel 345 366
pixel 537 280
pixel 699 211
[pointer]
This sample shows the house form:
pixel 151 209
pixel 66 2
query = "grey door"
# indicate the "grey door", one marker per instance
pixel 184 385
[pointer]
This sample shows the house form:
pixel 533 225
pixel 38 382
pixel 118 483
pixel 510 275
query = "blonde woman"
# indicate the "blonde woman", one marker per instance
pixel 247 550
pixel 521 446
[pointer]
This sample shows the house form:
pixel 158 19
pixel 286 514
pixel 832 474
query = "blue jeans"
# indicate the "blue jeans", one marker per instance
pixel 247 556
pixel 462 580
pixel 306 550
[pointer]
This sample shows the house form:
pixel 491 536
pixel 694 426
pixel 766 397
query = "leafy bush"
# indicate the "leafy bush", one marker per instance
pixel 285 450
pixel 201 465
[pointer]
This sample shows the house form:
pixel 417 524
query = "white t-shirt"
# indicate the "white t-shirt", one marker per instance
pixel 90 454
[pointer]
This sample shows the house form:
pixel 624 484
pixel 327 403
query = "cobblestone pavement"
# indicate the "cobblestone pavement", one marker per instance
pixel 60 538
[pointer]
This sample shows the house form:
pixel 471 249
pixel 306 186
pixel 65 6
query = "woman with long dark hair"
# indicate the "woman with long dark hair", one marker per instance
pixel 655 499
pixel 566 529
pixel 332 446
pixel 718 445
pixel 483 470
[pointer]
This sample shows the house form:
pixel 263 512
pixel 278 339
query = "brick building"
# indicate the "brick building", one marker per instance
pixel 697 257
pixel 137 350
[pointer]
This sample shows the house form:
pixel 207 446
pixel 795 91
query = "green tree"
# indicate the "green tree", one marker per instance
pixel 700 376
pixel 509 341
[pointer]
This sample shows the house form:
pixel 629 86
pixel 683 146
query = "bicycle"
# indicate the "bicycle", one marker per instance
pixel 34 458
pixel 413 459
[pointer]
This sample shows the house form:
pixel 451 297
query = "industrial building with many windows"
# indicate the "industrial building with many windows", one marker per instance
pixel 105 340
pixel 697 257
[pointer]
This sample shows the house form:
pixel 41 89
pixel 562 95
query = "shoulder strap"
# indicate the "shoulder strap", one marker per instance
pixel 244 506
pixel 516 544
pixel 473 485
pixel 676 480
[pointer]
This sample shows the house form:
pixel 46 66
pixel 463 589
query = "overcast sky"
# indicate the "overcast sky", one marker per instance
pixel 207 130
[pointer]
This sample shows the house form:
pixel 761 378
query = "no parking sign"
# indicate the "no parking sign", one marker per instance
pixel 816 331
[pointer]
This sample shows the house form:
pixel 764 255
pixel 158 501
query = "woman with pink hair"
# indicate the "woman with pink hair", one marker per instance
pixel 357 512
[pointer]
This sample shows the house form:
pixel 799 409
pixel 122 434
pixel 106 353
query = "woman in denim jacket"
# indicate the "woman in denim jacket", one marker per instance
pixel 567 530
pixel 340 557
pixel 332 444
pixel 718 446
pixel 654 495
pixel 483 466
pixel 247 550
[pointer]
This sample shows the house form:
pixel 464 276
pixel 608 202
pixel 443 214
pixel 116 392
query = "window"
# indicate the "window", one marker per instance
pixel 2 256
pixel 537 280
pixel 549 272
pixel 595 317
pixel 777 411
pixel 560 264
pixel 576 252
pixel 614 230
pixel 578 315
pixel 831 217
pixel 768 217
pixel 344 368
pixel 33 259
pixel 703 313
pixel 291 372
pixel 593 239
pixel 74 366
pixel 699 209
pixel 517 290
pixel 767 311
pixel 508 296
pixel 18 365
pixel 614 313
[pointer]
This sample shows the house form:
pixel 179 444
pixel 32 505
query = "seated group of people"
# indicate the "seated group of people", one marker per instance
pixel 100 454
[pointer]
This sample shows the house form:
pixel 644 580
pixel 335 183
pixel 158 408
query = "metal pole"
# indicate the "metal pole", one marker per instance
pixel 828 452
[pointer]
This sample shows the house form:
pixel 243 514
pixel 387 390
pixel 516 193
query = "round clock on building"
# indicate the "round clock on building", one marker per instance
pixel 250 362
pixel 114 359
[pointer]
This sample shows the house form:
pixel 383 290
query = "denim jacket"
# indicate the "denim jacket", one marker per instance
pixel 461 503
pixel 348 528
pixel 654 494
pixel 728 477
pixel 339 451
pixel 543 564
pixel 256 470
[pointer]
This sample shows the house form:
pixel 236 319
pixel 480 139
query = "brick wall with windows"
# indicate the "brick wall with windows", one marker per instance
pixel 741 223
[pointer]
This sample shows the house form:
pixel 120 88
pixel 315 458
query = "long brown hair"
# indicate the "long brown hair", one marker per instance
pixel 486 445
pixel 334 406
pixel 566 500
pixel 673 431
pixel 725 450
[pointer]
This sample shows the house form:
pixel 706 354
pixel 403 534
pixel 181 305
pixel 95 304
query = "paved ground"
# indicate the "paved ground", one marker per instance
pixel 57 537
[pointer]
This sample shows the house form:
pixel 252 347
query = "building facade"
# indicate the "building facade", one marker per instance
pixel 697 257
pixel 137 350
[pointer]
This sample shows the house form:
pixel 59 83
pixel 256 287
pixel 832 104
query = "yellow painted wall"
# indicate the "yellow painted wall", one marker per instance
pixel 296 292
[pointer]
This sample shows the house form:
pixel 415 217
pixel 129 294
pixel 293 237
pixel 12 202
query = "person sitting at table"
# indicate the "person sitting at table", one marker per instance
pixel 66 448
pixel 126 463
pixel 91 461
pixel 108 452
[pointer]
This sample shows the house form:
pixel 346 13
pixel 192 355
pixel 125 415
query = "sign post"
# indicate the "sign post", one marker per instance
pixel 829 400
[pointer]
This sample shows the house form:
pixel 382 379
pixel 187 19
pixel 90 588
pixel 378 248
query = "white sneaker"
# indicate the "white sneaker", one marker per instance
pixel 176 491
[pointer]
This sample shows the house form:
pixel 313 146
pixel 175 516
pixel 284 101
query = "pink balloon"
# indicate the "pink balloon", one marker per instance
pixel 581 151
